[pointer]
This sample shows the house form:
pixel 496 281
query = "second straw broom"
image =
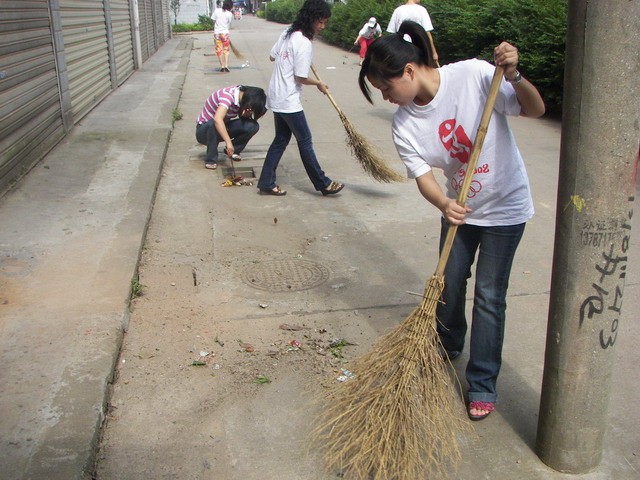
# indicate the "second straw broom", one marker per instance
pixel 371 163
pixel 235 51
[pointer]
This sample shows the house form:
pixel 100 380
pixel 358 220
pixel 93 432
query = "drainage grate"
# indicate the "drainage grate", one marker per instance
pixel 285 275
pixel 245 172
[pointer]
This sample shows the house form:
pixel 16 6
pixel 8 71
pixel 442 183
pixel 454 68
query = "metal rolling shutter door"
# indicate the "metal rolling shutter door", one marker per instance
pixel 146 29
pixel 87 53
pixel 166 14
pixel 122 40
pixel 142 30
pixel 30 110
pixel 158 23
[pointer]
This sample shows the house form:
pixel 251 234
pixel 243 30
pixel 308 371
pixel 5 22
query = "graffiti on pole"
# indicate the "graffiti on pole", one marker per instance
pixel 611 272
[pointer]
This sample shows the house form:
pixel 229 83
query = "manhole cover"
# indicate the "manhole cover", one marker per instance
pixel 285 275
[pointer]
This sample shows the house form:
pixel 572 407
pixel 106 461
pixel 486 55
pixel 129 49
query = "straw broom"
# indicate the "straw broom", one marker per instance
pixel 373 165
pixel 235 51
pixel 397 419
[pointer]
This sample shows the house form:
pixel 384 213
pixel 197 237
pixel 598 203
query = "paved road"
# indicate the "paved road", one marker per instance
pixel 72 232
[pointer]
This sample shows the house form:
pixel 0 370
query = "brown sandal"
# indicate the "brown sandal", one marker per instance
pixel 332 189
pixel 275 191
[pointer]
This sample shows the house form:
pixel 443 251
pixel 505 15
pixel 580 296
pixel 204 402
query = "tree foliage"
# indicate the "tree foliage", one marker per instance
pixel 282 11
pixel 174 5
pixel 472 28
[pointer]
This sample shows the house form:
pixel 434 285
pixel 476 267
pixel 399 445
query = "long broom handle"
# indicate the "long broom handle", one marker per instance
pixel 471 166
pixel 333 102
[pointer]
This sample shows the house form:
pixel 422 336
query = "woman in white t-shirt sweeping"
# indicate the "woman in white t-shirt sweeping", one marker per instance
pixel 439 113
pixel 292 55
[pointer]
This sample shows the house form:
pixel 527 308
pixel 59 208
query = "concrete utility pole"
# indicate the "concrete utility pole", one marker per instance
pixel 598 166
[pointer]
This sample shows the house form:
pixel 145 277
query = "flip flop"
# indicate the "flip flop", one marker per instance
pixel 211 166
pixel 278 192
pixel 236 157
pixel 332 188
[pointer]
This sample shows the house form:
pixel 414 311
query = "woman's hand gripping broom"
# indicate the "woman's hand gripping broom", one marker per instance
pixel 397 419
pixel 373 165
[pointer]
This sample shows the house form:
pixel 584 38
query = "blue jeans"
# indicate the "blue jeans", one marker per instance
pixel 240 130
pixel 497 247
pixel 296 124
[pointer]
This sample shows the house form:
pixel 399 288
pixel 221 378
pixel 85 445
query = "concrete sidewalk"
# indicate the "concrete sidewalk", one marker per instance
pixel 72 233
pixel 69 245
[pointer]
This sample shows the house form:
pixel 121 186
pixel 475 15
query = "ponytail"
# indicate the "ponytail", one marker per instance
pixel 388 55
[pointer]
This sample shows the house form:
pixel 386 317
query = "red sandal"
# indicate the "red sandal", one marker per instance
pixel 488 406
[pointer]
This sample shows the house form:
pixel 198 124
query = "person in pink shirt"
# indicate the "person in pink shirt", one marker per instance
pixel 230 115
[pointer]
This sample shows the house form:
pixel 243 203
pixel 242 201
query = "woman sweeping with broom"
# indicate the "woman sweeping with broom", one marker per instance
pixel 439 110
pixel 292 55
pixel 222 18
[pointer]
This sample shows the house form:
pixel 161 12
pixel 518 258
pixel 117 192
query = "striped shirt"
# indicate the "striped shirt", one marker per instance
pixel 229 97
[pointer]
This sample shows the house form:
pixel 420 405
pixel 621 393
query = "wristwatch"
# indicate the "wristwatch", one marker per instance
pixel 517 79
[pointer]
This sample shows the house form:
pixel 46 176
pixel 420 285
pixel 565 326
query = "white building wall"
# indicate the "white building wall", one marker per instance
pixel 190 9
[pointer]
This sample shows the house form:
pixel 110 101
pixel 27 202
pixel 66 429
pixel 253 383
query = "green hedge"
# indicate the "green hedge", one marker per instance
pixel 467 29
pixel 283 11
pixel 347 19
pixel 188 27
pixel 472 28
pixel 205 23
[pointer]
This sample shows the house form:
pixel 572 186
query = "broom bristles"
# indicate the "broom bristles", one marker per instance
pixel 364 153
pixel 397 418
pixel 236 52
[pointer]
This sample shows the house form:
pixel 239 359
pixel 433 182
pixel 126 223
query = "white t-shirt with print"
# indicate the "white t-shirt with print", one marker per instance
pixel 441 135
pixel 370 32
pixel 293 56
pixel 414 12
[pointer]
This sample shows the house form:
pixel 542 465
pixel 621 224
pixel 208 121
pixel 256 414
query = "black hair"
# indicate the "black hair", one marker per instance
pixel 255 99
pixel 388 55
pixel 311 12
pixel 227 5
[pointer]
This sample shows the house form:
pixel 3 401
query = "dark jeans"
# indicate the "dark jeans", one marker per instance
pixel 296 124
pixel 240 130
pixel 497 247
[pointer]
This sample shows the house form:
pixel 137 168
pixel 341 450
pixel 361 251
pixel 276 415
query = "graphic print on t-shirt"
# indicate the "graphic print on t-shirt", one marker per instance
pixel 455 140
pixel 457 143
